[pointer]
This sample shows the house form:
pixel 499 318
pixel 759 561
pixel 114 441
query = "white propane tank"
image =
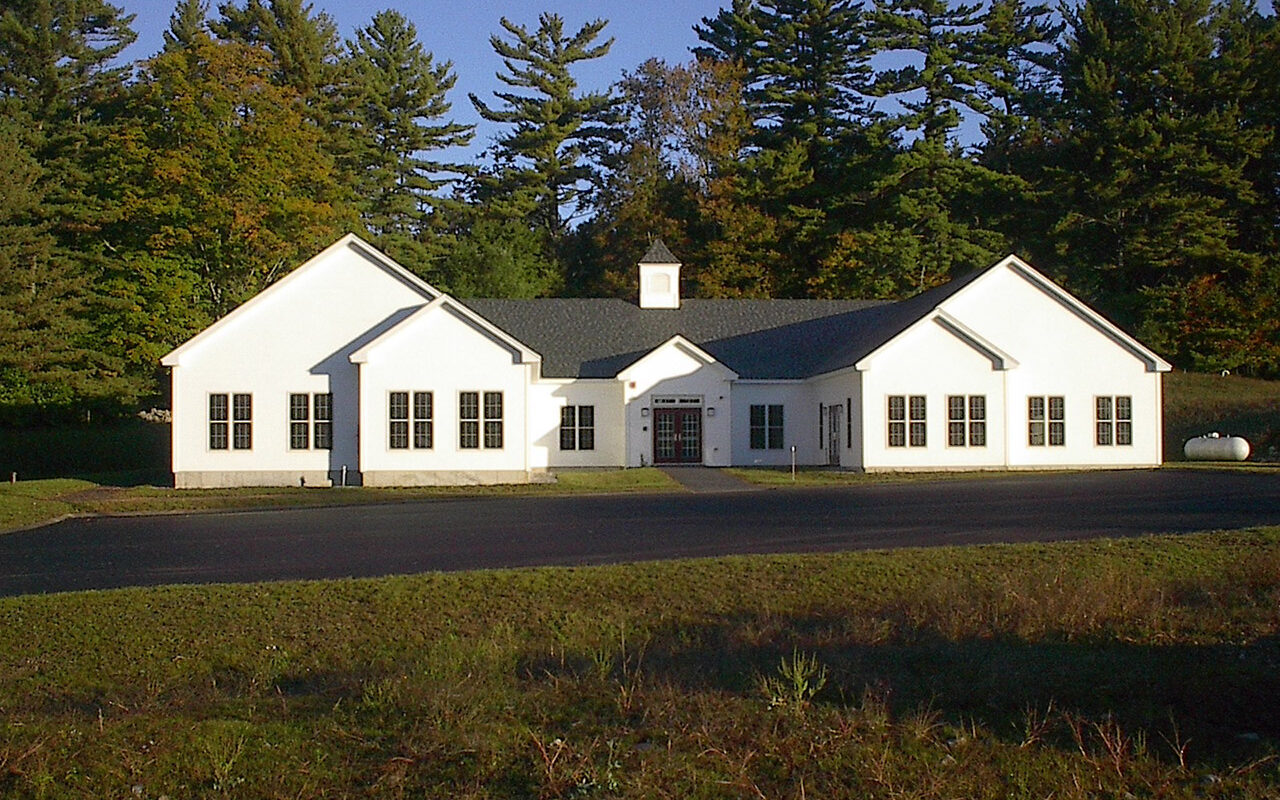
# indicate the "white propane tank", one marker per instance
pixel 1216 447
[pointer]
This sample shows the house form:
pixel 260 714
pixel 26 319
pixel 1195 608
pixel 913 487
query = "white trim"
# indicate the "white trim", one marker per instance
pixel 525 353
pixel 685 346
pixel 174 357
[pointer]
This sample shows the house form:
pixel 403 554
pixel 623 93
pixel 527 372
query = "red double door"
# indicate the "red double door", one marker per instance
pixel 677 435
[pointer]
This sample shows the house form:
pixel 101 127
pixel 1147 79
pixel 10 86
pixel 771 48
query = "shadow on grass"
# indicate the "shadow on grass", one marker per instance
pixel 1218 700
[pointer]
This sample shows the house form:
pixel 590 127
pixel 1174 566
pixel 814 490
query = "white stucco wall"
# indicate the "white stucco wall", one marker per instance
pixel 670 371
pixel 799 425
pixel 296 340
pixel 547 397
pixel 931 361
pixel 442 352
pixel 1059 353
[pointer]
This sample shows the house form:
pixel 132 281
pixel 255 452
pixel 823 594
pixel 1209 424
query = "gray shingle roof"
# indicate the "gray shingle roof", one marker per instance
pixel 598 338
pixel 658 254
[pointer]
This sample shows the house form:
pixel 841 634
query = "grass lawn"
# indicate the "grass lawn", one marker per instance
pixel 33 502
pixel 1196 404
pixel 1146 667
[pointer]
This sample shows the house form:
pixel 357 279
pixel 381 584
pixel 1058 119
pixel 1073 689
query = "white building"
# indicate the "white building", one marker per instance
pixel 352 366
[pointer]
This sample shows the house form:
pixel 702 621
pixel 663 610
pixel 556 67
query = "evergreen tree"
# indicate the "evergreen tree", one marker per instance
pixel 1153 178
pixel 546 166
pixel 806 67
pixel 399 119
pixel 188 22
pixel 44 363
pixel 304 46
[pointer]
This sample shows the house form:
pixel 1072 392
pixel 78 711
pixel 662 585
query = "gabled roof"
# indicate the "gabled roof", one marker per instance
pixel 446 304
pixel 351 242
pixel 688 348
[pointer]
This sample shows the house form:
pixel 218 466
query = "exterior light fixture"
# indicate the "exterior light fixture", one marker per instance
pixel 644 412
pixel 711 411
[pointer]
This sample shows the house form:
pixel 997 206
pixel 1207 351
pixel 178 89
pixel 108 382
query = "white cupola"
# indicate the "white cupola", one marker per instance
pixel 659 278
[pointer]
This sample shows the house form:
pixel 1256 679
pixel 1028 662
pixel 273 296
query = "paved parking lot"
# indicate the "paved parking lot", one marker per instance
pixel 523 531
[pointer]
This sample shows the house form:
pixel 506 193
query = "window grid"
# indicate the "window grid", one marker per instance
pixel 423 420
pixel 1113 420
pixel 766 427
pixel 242 421
pixel 398 416
pixel 468 420
pixel 578 428
pixel 966 420
pixel 493 420
pixel 918 423
pixel 299 421
pixel 1046 415
pixel 897 420
pixel 218 439
pixel 322 413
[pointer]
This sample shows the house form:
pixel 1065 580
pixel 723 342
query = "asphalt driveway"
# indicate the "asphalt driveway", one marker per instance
pixel 524 531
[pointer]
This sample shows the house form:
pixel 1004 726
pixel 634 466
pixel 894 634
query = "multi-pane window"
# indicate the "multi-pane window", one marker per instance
pixel 308 414
pixel 423 411
pixel 468 420
pixel 1113 420
pixel 1046 414
pixel 578 428
pixel 322 408
pixel 493 420
pixel 907 421
pixel 897 420
pixel 471 423
pixel 398 418
pixel 299 421
pixel 916 407
pixel 242 421
pixel 766 427
pixel 967 420
pixel 218 438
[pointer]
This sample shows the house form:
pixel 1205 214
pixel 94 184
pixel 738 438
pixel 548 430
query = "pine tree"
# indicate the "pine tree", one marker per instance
pixel 1153 179
pixel 188 22
pixel 546 166
pixel 44 364
pixel 304 45
pixel 398 123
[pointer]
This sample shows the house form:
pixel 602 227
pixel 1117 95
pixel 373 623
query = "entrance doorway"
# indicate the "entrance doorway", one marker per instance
pixel 677 435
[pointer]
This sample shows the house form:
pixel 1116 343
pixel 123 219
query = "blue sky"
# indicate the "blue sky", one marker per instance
pixel 459 31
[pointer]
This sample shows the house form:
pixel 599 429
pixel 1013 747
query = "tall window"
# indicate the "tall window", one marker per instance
pixel 423 411
pixel 967 420
pixel 897 420
pixel 469 420
pixel 242 421
pixel 493 420
pixel 1046 414
pixel 398 417
pixel 916 406
pixel 907 421
pixel 322 405
pixel 218 438
pixel 766 427
pixel 578 428
pixel 471 423
pixel 1113 420
pixel 299 421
